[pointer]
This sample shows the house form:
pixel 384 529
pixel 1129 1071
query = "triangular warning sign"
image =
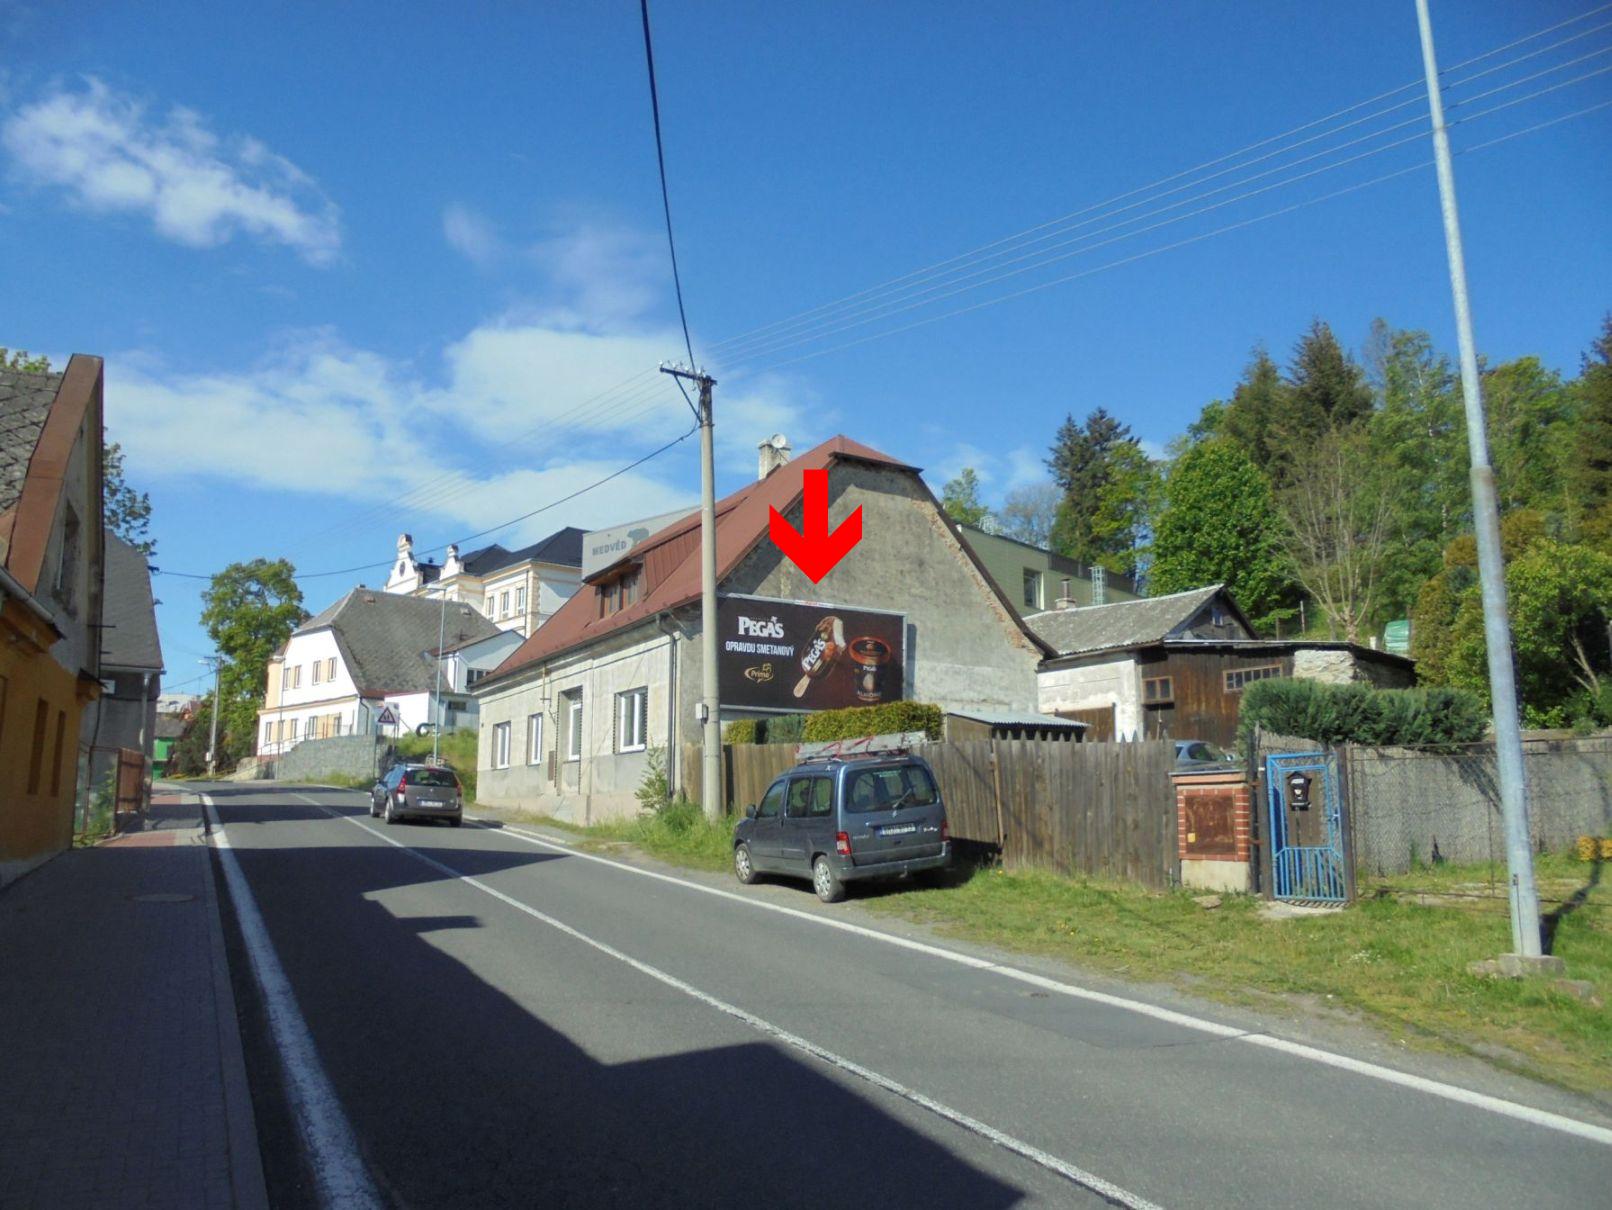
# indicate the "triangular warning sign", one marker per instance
pixel 386 718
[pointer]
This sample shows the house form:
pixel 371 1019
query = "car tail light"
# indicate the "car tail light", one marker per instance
pixel 945 831
pixel 403 782
pixel 842 844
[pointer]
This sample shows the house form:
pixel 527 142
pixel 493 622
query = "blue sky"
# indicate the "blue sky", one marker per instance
pixel 360 268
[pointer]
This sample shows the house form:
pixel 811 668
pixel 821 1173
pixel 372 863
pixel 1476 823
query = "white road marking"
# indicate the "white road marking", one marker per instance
pixel 1376 1071
pixel 340 1176
pixel 1052 1163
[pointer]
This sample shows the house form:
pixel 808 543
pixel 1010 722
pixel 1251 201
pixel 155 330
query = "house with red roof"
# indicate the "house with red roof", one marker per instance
pixel 568 719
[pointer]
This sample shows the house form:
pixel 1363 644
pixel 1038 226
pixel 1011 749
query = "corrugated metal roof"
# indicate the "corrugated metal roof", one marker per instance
pixel 128 613
pixel 1010 718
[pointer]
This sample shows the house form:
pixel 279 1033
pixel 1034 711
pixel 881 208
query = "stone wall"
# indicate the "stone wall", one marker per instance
pixel 313 759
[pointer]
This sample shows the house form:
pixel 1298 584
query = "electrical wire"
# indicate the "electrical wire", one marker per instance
pixel 660 159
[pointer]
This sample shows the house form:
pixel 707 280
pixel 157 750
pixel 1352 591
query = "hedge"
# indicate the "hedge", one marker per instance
pixel 891 717
pixel 1360 714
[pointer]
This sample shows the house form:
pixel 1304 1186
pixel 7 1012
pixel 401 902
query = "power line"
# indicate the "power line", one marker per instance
pixel 665 198
pixel 343 571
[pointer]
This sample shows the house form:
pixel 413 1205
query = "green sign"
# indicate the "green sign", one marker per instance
pixel 1396 637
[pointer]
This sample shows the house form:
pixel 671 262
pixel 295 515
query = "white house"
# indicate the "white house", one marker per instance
pixel 518 589
pixel 372 651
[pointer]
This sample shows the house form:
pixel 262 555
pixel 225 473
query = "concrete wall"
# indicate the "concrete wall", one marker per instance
pixel 1339 667
pixel 312 760
pixel 1403 802
pixel 1111 682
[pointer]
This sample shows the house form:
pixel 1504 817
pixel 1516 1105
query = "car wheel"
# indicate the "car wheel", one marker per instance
pixel 744 869
pixel 392 815
pixel 373 809
pixel 826 882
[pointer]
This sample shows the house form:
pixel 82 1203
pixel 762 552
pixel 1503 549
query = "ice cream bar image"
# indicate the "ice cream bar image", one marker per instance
pixel 828 641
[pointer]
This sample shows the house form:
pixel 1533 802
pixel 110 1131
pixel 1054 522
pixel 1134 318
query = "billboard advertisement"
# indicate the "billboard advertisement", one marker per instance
pixel 798 656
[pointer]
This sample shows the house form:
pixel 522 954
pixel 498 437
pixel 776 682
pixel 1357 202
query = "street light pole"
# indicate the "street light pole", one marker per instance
pixel 710 697
pixel 1525 934
pixel 212 738
pixel 436 731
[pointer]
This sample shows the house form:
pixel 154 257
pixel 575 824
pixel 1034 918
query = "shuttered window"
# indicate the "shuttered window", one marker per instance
pixel 1158 691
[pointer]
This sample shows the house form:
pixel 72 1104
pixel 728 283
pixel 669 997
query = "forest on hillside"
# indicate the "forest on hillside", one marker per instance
pixel 1331 494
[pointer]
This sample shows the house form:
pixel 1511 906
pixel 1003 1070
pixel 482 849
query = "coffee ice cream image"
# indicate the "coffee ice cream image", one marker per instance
pixel 822 653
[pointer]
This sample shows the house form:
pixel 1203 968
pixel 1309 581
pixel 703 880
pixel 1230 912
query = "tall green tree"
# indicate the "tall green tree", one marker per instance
pixel 1219 524
pixel 1529 412
pixel 1252 416
pixel 126 512
pixel 960 497
pixel 249 610
pixel 1589 470
pixel 1106 481
pixel 23 362
pixel 1326 392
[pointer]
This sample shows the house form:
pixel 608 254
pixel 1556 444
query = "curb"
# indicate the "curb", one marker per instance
pixel 245 1162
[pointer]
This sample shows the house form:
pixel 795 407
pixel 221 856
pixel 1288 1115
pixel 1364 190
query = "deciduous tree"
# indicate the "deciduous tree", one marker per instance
pixel 960 497
pixel 249 610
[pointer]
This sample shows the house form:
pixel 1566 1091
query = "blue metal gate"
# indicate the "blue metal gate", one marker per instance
pixel 1306 827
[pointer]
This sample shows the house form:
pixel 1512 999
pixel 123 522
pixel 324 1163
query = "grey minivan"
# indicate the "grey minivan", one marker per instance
pixel 837 820
pixel 418 790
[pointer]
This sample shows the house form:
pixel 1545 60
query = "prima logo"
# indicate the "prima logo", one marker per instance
pixel 759 673
pixel 761 628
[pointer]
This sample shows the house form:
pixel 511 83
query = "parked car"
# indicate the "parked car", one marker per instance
pixel 422 791
pixel 839 820
pixel 1196 754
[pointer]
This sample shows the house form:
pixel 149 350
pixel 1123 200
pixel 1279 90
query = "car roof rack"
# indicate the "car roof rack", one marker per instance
pixel 864 747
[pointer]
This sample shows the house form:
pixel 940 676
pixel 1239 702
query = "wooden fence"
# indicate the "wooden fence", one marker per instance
pixel 1099 810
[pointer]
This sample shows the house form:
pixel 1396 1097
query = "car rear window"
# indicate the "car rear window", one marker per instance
pixel 432 777
pixel 886 789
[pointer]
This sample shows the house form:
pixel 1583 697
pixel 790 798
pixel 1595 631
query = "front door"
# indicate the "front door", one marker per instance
pixel 764 829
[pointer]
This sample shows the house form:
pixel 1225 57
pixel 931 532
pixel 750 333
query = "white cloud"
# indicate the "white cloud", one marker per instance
pixel 197 189
pixel 471 235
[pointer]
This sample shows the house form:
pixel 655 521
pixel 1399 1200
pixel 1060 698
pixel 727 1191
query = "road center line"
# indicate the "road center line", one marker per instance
pixel 1096 1184
pixel 339 1174
pixel 1361 1067
pixel 1375 1071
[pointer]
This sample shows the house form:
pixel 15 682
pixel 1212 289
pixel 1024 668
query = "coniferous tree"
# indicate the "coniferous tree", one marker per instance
pixel 1104 478
pixel 1589 471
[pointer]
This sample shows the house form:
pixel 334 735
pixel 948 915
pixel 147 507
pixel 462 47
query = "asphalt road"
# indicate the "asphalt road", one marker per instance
pixel 507 1023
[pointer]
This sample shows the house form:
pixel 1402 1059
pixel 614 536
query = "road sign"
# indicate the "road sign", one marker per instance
pixel 386 718
pixel 1396 637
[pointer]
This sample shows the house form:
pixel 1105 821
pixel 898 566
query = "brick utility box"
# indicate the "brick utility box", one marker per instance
pixel 1213 813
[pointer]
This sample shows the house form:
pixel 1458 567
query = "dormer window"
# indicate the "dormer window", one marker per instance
pixel 615 595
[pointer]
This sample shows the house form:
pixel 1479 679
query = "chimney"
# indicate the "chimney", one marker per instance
pixel 774 452
pixel 1065 601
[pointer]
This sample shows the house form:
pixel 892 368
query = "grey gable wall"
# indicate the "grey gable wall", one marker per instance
pixel 963 646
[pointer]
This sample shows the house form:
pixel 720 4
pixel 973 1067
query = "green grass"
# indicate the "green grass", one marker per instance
pixel 1396 962
pixel 680 834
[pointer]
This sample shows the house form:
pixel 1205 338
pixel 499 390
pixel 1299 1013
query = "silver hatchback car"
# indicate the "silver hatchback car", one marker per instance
pixel 838 820
pixel 421 791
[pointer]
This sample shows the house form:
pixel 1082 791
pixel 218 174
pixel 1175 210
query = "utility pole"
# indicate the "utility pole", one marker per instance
pixel 710 711
pixel 1525 935
pixel 212 738
pixel 442 625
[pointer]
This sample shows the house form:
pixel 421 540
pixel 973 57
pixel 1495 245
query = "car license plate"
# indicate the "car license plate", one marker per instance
pixel 430 802
pixel 898 829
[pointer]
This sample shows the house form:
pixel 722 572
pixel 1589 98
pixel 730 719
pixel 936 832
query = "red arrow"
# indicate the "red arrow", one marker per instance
pixel 815 551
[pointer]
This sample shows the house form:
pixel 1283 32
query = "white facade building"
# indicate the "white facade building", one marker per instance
pixel 518 590
pixel 371 652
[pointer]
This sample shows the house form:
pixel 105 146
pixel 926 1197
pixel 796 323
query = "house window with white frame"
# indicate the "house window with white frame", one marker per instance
pixel 632 718
pixel 503 604
pixel 573 724
pixel 294 726
pixel 534 739
pixel 520 599
pixel 501 746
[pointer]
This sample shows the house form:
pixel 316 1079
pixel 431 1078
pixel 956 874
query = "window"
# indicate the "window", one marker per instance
pixel 810 797
pixel 534 739
pixel 36 757
pixel 503 604
pixel 56 758
pixel 296 677
pixel 285 676
pixel 501 746
pixel 318 667
pixel 1032 588
pixel 1158 690
pixel 573 724
pixel 618 594
pixel 472 675
pixel 441 778
pixel 632 720
pixel 772 802
pixel 887 789
pixel 330 669
pixel 1236 678
pixel 67 569
pixel 520 599
pixel 295 727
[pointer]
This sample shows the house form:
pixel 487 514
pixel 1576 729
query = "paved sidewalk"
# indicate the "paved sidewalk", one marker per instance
pixel 121 1059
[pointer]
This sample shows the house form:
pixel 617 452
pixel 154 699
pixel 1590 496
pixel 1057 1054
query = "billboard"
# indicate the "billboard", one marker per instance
pixel 797 656
pixel 602 547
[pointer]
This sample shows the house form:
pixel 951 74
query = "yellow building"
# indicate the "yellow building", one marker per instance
pixel 51 566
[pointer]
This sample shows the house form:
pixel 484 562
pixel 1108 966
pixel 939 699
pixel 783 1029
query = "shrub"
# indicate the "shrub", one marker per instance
pixel 779 729
pixel 888 718
pixel 1359 714
pixel 742 731
pixel 654 792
